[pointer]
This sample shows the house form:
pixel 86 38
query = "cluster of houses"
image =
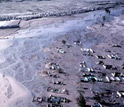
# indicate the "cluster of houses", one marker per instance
pixel 114 77
pixel 56 90
pixel 53 101
pixel 105 74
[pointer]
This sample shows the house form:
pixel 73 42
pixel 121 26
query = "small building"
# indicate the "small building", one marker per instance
pixel 117 79
pixel 85 79
pixel 114 56
pixel 107 50
pixel 116 45
pixel 100 63
pixel 107 66
pixel 55 105
pixel 112 79
pixel 116 74
pixel 91 70
pixel 120 93
pixel 107 79
pixel 100 57
pixel 37 99
pixel 57 100
pixel 83 65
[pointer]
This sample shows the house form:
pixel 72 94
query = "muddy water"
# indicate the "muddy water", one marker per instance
pixel 21 56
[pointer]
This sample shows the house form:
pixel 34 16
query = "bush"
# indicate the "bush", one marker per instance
pixel 81 101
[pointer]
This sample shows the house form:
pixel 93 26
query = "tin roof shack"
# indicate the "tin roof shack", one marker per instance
pixel 110 67
pixel 120 93
pixel 114 56
pixel 106 98
pixel 52 66
pixel 58 90
pixel 116 74
pixel 55 105
pixel 85 79
pixel 60 50
pixel 97 105
pixel 100 63
pixel 117 79
pixel 107 79
pixel 57 100
pixel 59 83
pixel 77 42
pixel 37 99
pixel 107 67
pixel 112 79
pixel 61 71
pixel 116 45
pixel 91 70
pixel 87 52
pixel 90 78
pixel 50 74
pixel 83 65
pixel 100 57
pixel 107 50
pixel 87 74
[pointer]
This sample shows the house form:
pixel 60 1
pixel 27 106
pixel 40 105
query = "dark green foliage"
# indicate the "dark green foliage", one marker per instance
pixel 63 41
pixel 81 101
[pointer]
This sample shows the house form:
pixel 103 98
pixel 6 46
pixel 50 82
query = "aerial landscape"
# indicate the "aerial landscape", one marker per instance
pixel 61 53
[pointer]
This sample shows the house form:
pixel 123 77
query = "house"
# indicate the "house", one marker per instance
pixel 91 70
pixel 83 65
pixel 37 99
pixel 61 51
pixel 116 45
pixel 87 75
pixel 107 66
pixel 120 93
pixel 58 83
pixel 55 105
pixel 107 50
pixel 117 79
pixel 100 57
pixel 114 56
pixel 85 79
pixel 100 63
pixel 53 66
pixel 92 78
pixel 116 74
pixel 77 42
pixel 87 51
pixel 107 79
pixel 57 100
pixel 97 105
pixel 58 90
pixel 112 79
pixel 100 80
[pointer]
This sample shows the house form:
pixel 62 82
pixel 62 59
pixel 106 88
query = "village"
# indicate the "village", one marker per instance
pixel 100 83
pixel 62 53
